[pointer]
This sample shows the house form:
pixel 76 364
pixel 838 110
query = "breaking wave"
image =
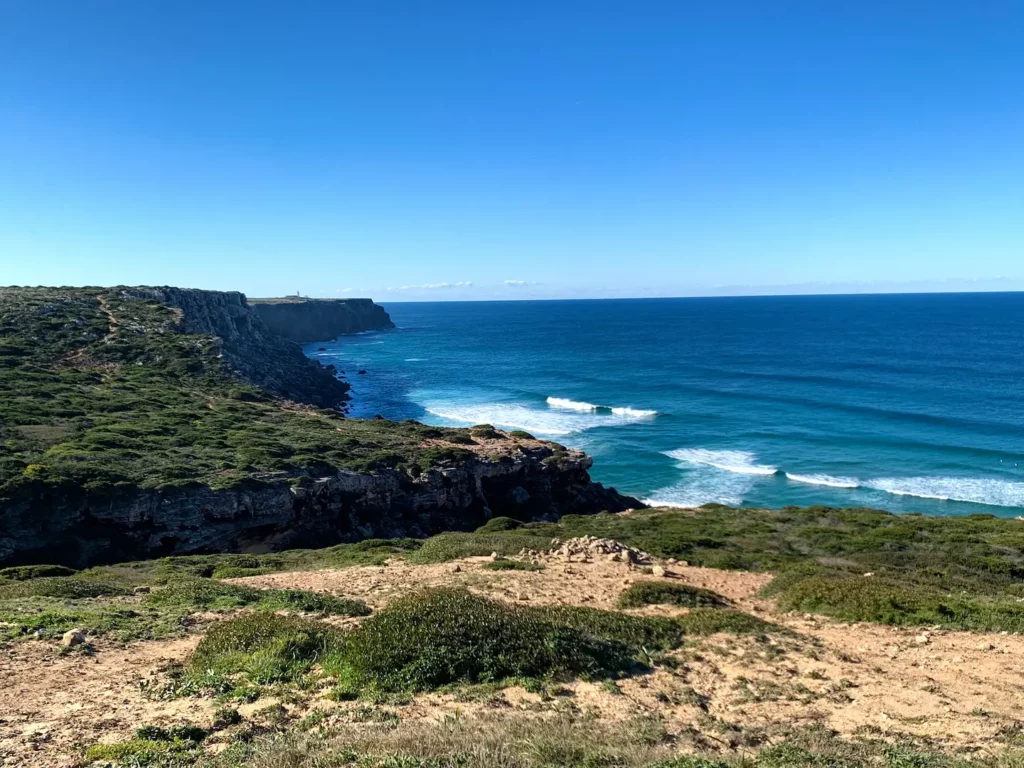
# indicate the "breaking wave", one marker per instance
pixel 741 462
pixel 565 417
pixel 570 405
pixel 977 490
pixel 575 405
pixel 827 480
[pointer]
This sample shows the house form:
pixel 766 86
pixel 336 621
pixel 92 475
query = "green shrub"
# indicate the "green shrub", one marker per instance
pixel 175 733
pixel 884 601
pixel 644 593
pixel 455 546
pixel 205 595
pixel 446 636
pixel 26 572
pixel 265 646
pixel 486 432
pixel 710 621
pixel 59 586
pixel 513 565
pixel 496 524
pixel 224 717
pixel 648 632
pixel 521 434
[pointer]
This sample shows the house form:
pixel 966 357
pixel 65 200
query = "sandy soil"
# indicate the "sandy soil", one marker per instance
pixel 958 689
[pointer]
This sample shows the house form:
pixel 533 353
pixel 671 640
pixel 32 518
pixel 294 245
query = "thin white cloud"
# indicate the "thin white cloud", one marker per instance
pixel 433 286
pixel 520 283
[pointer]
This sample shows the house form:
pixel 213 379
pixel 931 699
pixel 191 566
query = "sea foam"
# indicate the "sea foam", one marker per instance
pixel 741 462
pixel 570 405
pixel 978 490
pixel 827 480
pixel 616 410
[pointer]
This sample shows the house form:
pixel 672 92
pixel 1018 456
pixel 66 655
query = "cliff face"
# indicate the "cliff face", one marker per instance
pixel 304 320
pixel 122 438
pixel 256 353
pixel 80 529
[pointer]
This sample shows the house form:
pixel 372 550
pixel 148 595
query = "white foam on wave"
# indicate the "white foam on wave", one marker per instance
pixel 539 421
pixel 570 405
pixel 576 405
pixel 415 359
pixel 977 490
pixel 827 480
pixel 637 412
pixel 725 477
pixel 740 462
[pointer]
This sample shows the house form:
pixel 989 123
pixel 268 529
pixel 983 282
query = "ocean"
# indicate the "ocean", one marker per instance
pixel 910 403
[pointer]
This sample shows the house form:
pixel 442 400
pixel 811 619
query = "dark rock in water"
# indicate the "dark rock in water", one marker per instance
pixel 362 372
pixel 303 320
pixel 321 349
pixel 378 417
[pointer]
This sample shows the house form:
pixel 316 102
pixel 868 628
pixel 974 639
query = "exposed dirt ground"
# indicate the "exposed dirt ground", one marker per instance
pixel 959 689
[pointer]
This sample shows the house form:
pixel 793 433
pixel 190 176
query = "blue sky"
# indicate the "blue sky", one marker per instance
pixel 454 150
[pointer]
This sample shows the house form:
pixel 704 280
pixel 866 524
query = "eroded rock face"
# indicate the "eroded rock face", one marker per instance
pixel 80 530
pixel 304 320
pixel 254 352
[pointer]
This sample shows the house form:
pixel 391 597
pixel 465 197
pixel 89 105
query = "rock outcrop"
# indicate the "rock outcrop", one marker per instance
pixel 256 353
pixel 79 529
pixel 304 320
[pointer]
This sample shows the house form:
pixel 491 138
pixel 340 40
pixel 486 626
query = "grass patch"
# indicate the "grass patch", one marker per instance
pixel 265 647
pixel 59 587
pixel 428 640
pixel 215 595
pixel 513 565
pixel 666 593
pixel 882 600
pixel 26 572
pixel 455 546
pixel 447 636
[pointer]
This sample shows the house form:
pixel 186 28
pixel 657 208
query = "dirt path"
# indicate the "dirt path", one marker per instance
pixel 53 705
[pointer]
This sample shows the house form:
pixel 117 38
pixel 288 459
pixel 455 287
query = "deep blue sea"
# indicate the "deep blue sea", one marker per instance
pixel 901 402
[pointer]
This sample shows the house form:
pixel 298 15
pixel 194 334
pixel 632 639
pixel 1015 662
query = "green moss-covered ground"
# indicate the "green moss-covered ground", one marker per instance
pixel 98 391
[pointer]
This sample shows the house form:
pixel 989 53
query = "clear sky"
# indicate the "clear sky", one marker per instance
pixel 484 149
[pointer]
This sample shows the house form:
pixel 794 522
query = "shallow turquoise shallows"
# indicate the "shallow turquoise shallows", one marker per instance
pixel 907 403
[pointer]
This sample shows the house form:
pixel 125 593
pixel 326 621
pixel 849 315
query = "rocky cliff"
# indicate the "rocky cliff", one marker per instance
pixel 255 352
pixel 73 527
pixel 305 320
pixel 130 427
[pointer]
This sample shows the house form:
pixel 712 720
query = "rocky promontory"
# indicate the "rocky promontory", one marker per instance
pixel 302 319
pixel 139 422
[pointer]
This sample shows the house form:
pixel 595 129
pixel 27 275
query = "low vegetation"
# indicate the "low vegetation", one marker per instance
pixel 958 572
pixel 432 639
pixel 666 593
pixel 100 392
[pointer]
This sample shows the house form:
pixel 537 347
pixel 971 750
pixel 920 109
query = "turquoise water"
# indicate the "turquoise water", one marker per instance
pixel 906 403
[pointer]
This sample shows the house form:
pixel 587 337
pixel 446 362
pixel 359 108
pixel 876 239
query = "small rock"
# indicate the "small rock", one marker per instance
pixel 72 638
pixel 613 557
pixel 141 591
pixel 494 556
pixel 985 647
pixel 457 569
pixel 522 596
pixel 657 570
pixel 922 639
pixel 868 574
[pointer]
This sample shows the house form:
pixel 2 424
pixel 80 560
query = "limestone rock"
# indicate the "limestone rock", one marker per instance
pixel 72 638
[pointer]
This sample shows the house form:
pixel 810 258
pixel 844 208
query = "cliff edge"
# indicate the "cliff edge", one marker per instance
pixel 140 422
pixel 303 320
